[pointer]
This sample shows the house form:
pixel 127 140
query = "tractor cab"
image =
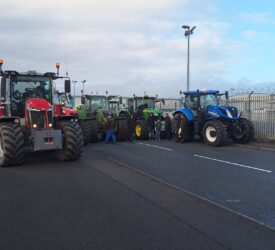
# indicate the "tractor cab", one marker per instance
pixel 143 106
pixel 94 102
pixel 28 95
pixel 199 101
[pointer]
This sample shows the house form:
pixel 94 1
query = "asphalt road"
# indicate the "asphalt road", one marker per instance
pixel 97 203
pixel 241 179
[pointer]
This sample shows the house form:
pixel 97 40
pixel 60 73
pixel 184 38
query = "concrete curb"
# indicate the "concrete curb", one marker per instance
pixel 254 147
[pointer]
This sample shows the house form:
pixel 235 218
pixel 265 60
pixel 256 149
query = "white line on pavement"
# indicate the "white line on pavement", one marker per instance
pixel 153 146
pixel 232 163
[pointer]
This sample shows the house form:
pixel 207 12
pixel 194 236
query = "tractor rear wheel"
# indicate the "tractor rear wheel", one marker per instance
pixel 94 131
pixel 72 142
pixel 183 132
pixel 122 130
pixel 11 145
pixel 86 128
pixel 141 130
pixel 244 132
pixel 214 133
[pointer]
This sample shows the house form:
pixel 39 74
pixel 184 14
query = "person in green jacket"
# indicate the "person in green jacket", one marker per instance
pixel 100 118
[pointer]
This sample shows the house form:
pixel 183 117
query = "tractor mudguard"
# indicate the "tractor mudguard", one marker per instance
pixel 187 113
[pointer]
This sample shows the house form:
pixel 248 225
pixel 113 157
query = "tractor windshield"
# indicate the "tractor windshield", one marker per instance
pixel 209 100
pixel 149 103
pixel 25 87
pixel 99 102
pixel 62 98
pixel 114 106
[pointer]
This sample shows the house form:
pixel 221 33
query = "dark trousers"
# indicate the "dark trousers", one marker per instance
pixel 152 133
pixel 168 133
pixel 110 134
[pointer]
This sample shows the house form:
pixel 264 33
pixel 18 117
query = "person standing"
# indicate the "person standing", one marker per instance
pixel 131 127
pixel 167 125
pixel 151 126
pixel 158 129
pixel 110 129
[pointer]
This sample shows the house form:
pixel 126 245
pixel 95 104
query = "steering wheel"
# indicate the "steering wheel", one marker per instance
pixel 17 95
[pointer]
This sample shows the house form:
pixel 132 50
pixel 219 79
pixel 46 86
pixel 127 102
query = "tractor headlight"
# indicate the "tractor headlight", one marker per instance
pixel 228 113
pixel 50 125
pixel 34 125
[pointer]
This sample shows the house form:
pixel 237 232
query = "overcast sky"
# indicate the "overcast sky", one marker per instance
pixel 138 46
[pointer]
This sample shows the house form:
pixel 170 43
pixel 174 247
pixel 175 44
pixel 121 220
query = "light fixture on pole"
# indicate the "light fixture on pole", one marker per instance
pixel 187 34
pixel 74 82
pixel 83 82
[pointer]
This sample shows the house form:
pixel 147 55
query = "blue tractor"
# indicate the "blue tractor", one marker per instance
pixel 202 115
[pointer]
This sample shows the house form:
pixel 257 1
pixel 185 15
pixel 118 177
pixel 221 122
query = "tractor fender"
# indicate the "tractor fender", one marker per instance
pixel 186 112
pixel 9 119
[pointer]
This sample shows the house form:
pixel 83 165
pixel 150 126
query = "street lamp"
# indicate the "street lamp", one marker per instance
pixel 83 82
pixel 74 82
pixel 187 34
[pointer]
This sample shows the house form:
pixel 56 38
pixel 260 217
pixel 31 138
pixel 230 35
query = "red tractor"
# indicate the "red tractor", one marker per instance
pixel 29 121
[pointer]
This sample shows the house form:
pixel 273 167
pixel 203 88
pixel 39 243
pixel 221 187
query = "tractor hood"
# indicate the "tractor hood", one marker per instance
pixel 38 104
pixel 156 112
pixel 69 112
pixel 227 112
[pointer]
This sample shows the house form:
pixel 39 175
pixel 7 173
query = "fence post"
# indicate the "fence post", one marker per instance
pixel 249 105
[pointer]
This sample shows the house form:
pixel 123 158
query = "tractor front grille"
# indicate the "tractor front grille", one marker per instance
pixel 38 118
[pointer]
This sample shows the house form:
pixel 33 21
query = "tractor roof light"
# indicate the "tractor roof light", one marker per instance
pixel 57 65
pixel 1 63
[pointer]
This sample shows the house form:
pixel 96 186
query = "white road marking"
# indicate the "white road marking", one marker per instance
pixel 235 164
pixel 153 146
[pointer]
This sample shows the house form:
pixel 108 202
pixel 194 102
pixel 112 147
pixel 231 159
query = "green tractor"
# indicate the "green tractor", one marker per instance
pixel 141 108
pixel 96 109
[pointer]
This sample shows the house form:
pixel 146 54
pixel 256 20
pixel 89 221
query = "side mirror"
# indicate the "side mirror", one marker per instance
pixel 163 101
pixel 3 89
pixel 192 98
pixel 67 86
pixel 226 95
pixel 82 100
pixel 120 100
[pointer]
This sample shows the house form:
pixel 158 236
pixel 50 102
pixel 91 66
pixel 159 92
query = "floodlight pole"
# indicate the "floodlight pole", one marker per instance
pixel 83 82
pixel 187 34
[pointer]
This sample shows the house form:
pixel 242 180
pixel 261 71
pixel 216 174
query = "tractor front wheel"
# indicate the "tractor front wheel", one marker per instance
pixel 72 142
pixel 122 130
pixel 244 131
pixel 12 151
pixel 94 130
pixel 86 128
pixel 214 133
pixel 141 130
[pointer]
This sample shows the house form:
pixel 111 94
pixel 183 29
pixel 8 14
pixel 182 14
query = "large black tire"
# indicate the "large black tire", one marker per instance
pixel 11 145
pixel 94 131
pixel 86 128
pixel 141 130
pixel 72 142
pixel 122 130
pixel 214 133
pixel 184 130
pixel 246 132
pixel 20 144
